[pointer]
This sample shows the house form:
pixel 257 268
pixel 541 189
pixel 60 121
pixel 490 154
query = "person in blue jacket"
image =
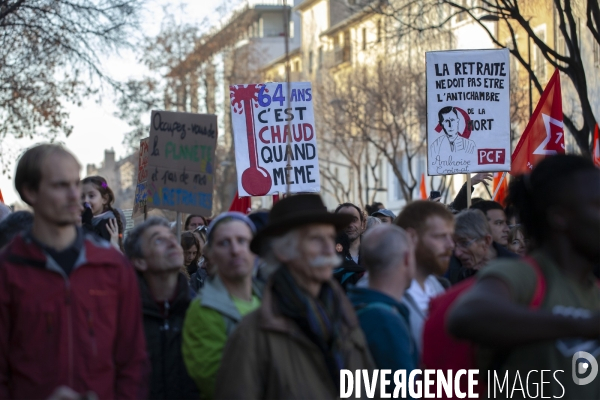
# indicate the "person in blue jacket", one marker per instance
pixel 388 254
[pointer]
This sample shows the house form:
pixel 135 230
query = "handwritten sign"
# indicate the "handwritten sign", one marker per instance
pixel 139 200
pixel 468 111
pixel 263 124
pixel 181 161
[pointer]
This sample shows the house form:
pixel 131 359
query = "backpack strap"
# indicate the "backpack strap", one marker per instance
pixel 540 286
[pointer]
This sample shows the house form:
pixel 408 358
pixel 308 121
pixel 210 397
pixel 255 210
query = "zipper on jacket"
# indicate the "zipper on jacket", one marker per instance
pixel 90 321
pixel 164 339
pixel 70 330
pixel 166 316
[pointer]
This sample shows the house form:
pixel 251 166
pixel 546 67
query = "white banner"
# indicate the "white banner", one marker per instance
pixel 468 111
pixel 262 122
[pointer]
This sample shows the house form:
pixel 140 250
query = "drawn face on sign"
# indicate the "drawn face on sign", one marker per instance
pixel 451 124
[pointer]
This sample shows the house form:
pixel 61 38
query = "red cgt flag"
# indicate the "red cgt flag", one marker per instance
pixel 596 148
pixel 423 187
pixel 544 135
pixel 241 204
pixel 1 198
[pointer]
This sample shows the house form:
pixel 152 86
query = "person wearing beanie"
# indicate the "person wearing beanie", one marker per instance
pixel 223 300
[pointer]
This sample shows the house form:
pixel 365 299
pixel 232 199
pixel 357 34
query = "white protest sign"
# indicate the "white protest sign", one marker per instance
pixel 260 117
pixel 181 162
pixel 468 111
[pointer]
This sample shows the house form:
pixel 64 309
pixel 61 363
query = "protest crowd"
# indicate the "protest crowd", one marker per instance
pixel 276 303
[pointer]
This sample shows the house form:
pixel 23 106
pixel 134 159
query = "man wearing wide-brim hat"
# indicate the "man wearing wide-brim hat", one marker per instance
pixel 305 330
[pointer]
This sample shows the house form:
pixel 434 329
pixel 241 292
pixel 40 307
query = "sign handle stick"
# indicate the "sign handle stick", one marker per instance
pixel 499 184
pixel 145 212
pixel 178 226
pixel 469 190
pixel 288 147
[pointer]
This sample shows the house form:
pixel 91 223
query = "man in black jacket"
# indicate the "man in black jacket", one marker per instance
pixel 166 295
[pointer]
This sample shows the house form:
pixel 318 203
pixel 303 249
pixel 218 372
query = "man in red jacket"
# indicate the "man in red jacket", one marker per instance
pixel 70 312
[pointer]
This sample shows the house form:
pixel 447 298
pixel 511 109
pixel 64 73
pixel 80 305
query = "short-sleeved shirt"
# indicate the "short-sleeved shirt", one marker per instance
pixel 563 296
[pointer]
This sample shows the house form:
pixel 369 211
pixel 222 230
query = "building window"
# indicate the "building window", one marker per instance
pixel 462 15
pixel 310 62
pixel 320 57
pixel 539 59
pixel 364 38
pixel 126 171
pixel 379 31
pixel 291 29
pixel 297 65
pixel 347 46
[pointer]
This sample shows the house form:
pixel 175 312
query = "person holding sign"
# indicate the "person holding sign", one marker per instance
pixel 451 141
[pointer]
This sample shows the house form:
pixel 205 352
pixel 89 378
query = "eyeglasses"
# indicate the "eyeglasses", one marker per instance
pixel 464 244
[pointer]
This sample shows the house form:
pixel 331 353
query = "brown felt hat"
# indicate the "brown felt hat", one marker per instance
pixel 293 212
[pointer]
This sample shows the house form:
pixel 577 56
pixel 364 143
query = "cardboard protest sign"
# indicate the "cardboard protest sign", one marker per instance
pixel 180 161
pixel 468 111
pixel 140 190
pixel 262 125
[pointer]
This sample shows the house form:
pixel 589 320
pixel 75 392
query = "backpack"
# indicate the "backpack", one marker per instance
pixel 441 350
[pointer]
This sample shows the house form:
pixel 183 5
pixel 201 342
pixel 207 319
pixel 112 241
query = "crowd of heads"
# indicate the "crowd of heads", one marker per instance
pixel 293 250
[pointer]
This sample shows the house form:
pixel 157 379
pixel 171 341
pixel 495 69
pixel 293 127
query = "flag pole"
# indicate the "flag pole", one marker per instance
pixel 499 185
pixel 469 190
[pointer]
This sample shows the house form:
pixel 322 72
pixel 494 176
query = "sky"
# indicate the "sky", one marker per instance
pixel 95 128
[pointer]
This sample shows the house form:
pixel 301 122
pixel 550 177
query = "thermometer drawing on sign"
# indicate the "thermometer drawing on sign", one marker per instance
pixel 255 180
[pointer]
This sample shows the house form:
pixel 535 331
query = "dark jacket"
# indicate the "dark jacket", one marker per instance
pixel 163 326
pixel 83 330
pixel 386 326
pixel 456 272
pixel 348 273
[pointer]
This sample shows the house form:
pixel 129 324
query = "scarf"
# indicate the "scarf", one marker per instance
pixel 319 319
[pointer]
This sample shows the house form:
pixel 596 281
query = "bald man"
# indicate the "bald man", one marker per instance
pixel 388 254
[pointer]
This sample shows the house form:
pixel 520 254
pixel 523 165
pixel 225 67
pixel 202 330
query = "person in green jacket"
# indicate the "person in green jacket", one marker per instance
pixel 223 301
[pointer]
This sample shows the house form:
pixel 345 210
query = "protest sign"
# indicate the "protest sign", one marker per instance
pixel 263 122
pixel 180 161
pixel 140 190
pixel 468 111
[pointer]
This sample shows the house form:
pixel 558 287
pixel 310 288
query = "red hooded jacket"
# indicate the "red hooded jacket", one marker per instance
pixel 83 330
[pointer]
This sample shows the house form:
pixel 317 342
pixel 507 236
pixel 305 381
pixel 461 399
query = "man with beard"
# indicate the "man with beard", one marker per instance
pixel 305 331
pixel 432 226
pixel 70 310
pixel 350 272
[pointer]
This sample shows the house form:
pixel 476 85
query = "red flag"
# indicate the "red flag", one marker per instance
pixel 503 191
pixel 241 204
pixel 1 198
pixel 275 198
pixel 544 135
pixel 423 187
pixel 595 148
